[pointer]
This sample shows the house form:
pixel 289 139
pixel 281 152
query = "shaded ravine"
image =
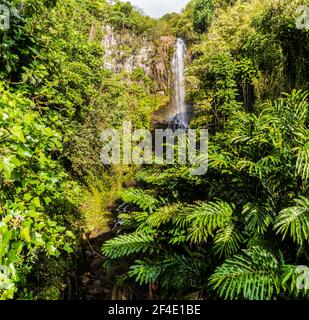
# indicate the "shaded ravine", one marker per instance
pixel 92 282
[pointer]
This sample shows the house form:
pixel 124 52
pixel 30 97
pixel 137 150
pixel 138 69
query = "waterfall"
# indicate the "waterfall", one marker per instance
pixel 180 112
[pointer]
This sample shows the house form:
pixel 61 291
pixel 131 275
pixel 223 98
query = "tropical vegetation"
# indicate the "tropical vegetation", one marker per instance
pixel 241 231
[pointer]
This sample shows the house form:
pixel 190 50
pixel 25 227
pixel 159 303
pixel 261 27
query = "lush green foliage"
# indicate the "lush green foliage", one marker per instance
pixel 259 222
pixel 202 15
pixel 124 16
pixel 55 99
pixel 33 191
pixel 240 231
pixel 247 56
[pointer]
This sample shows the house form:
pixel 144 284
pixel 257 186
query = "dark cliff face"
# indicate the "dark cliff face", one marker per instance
pixel 126 52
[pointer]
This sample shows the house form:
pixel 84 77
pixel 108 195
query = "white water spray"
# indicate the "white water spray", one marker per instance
pixel 178 64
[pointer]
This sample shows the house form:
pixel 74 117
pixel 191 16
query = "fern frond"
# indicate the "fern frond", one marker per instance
pixel 260 168
pixel 128 244
pixel 178 236
pixel 246 165
pixel 177 272
pixel 140 198
pixel 206 218
pixel 155 176
pixel 133 219
pixel 185 272
pixel 220 160
pixel 298 101
pixel 253 275
pixel 198 234
pixel 302 163
pixel 272 160
pixel 146 271
pixel 294 221
pixel 227 241
pixel 257 219
pixel 296 280
pixel 164 215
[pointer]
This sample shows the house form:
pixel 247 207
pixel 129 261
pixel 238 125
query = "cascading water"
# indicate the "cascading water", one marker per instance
pixel 180 111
